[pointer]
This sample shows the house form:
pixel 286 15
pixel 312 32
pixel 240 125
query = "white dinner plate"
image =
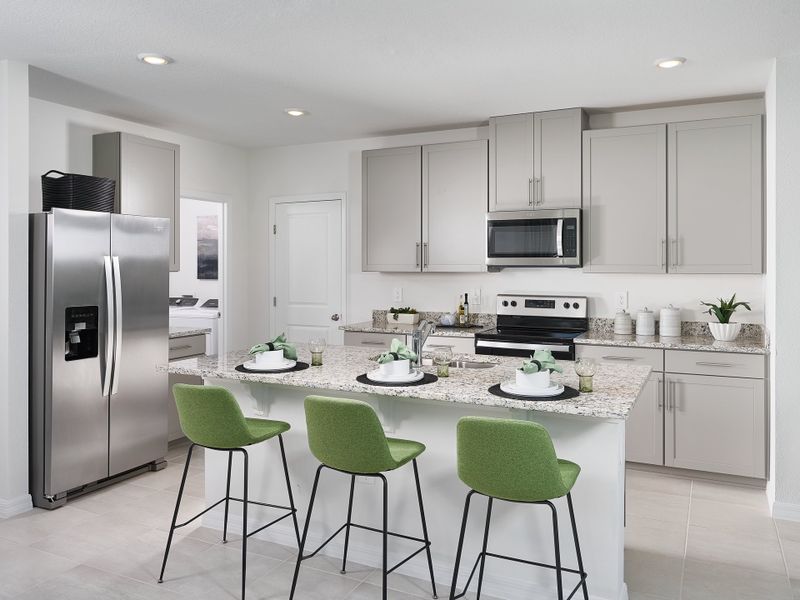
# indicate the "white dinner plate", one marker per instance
pixel 377 376
pixel 284 366
pixel 554 389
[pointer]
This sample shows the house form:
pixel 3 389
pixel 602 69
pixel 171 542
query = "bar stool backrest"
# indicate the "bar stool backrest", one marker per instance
pixel 509 459
pixel 347 435
pixel 210 416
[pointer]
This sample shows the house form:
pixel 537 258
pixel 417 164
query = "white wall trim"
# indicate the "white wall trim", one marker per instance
pixel 341 197
pixel 786 511
pixel 15 506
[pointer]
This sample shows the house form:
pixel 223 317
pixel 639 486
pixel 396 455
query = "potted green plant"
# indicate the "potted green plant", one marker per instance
pixel 405 315
pixel 724 330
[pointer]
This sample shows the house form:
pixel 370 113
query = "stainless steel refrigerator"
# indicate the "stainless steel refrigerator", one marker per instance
pixel 99 329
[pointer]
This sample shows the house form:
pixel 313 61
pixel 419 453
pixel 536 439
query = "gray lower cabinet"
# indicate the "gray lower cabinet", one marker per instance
pixel 179 348
pixel 716 424
pixel 147 173
pixel 625 200
pixel 715 196
pixel 644 429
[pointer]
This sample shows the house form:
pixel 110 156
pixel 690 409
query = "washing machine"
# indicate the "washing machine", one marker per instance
pixel 188 311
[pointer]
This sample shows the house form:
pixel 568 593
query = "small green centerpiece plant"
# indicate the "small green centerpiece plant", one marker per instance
pixel 405 315
pixel 535 372
pixel 723 330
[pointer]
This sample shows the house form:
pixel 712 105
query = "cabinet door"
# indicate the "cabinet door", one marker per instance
pixel 454 194
pixel 511 162
pixel 379 341
pixel 392 209
pixel 716 424
pixel 644 429
pixel 625 200
pixel 715 196
pixel 557 158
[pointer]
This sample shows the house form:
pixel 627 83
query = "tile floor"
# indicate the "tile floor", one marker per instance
pixel 686 539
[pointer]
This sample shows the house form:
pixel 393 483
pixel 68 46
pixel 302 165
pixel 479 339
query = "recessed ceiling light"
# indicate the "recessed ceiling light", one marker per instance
pixel 296 112
pixel 157 60
pixel 670 63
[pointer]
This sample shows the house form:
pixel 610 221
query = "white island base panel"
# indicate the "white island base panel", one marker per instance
pixel 524 531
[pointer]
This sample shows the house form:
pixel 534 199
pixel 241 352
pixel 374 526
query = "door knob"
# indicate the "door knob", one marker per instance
pixel 334 317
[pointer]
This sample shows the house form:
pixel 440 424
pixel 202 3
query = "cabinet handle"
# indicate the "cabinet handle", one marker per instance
pixel 368 343
pixel 538 189
pixel 530 192
pixel 625 358
pixel 671 399
pixel 425 254
pixel 675 261
pixel 418 254
pixel 186 347
pixel 714 364
pixel 660 394
pixel 663 252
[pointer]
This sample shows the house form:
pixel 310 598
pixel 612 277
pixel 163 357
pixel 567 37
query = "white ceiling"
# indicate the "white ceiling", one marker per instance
pixel 371 67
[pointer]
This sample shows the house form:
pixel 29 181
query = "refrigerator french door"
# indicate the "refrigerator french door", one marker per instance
pixel 99 329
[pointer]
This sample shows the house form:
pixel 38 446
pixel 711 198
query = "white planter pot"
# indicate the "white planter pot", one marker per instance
pixel 404 318
pixel 533 380
pixel 268 359
pixel 395 367
pixel 725 332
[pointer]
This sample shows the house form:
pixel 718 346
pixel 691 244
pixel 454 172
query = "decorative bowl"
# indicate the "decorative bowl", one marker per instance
pixel 537 380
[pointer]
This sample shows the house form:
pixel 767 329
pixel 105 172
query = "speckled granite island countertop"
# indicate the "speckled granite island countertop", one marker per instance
pixel 181 332
pixel 616 386
pixel 704 343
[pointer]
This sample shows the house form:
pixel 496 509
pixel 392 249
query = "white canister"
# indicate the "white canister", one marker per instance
pixel 645 322
pixel 623 324
pixel 670 323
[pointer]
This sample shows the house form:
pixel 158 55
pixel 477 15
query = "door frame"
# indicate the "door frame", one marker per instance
pixel 341 197
pixel 224 200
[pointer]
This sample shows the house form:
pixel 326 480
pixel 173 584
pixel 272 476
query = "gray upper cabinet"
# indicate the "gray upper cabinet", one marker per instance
pixel 535 160
pixel 391 212
pixel 715 196
pixel 625 199
pixel 454 196
pixel 147 173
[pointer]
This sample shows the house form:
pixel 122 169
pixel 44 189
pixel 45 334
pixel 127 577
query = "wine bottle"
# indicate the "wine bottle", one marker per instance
pixel 466 310
pixel 460 313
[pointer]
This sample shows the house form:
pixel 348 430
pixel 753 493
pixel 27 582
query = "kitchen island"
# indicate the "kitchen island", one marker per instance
pixel 589 430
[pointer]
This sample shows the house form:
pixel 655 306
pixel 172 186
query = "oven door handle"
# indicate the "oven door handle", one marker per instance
pixel 521 346
pixel 560 238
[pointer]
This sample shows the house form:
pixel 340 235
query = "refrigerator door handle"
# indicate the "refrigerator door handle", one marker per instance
pixel 117 322
pixel 109 325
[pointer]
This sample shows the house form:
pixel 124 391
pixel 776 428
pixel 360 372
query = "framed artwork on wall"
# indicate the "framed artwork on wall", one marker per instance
pixel 208 247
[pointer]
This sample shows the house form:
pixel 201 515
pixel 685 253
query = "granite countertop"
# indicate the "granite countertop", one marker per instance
pixel 616 386
pixel 402 329
pixel 181 332
pixel 705 343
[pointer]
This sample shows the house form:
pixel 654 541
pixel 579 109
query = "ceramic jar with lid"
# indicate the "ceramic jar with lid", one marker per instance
pixel 623 325
pixel 645 322
pixel 670 323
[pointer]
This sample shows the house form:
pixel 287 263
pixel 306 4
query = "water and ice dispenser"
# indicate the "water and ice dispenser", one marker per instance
pixel 80 332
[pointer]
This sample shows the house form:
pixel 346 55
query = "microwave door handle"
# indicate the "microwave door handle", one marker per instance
pixel 117 324
pixel 560 238
pixel 109 325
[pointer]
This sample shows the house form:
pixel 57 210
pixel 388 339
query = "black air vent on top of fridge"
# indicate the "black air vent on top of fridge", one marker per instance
pixel 81 192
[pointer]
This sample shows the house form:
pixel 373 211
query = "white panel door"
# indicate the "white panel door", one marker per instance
pixel 715 196
pixel 511 162
pixel 307 299
pixel 454 196
pixel 625 200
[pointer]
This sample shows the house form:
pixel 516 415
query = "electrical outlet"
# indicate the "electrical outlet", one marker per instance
pixel 475 296
pixel 397 294
pixel 622 300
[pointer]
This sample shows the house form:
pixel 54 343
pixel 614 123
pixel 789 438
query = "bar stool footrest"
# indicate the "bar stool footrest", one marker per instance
pixel 290 512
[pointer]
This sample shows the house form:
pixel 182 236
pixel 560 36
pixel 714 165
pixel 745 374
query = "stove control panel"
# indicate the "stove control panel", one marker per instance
pixel 542 306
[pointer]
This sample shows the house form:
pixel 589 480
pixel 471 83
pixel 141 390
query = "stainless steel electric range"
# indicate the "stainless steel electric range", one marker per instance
pixel 526 323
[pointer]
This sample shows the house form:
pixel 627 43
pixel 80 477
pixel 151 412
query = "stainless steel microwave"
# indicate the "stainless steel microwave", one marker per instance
pixel 534 238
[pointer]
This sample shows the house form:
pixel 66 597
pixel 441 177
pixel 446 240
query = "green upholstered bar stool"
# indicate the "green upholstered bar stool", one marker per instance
pixel 211 417
pixel 346 436
pixel 514 461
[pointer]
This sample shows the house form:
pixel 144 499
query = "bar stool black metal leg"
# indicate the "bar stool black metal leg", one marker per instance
pixel 175 514
pixel 227 498
pixel 460 544
pixel 244 521
pixel 577 547
pixel 385 569
pixel 305 532
pixel 485 543
pixel 347 524
pixel 289 490
pixel 424 527
pixel 557 547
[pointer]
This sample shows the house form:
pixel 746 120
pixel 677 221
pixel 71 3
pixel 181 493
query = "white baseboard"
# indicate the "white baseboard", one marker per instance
pixel 15 506
pixel 498 587
pixel 786 511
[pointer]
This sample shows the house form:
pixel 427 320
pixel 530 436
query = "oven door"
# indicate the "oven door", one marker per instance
pixel 562 350
pixel 534 238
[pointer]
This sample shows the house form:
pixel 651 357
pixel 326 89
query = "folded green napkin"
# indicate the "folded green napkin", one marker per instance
pixel 541 360
pixel 398 351
pixel 279 343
